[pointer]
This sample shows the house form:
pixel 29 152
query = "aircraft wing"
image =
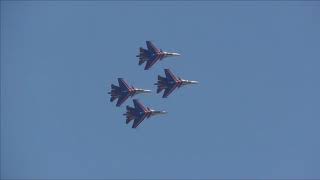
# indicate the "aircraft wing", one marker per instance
pixel 137 121
pixel 150 63
pixel 122 99
pixel 123 84
pixel 152 47
pixel 169 90
pixel 169 75
pixel 139 106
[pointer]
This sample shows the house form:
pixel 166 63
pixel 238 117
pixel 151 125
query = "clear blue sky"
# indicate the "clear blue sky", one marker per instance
pixel 255 113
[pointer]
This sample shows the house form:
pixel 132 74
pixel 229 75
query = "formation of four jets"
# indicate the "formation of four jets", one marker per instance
pixel 168 83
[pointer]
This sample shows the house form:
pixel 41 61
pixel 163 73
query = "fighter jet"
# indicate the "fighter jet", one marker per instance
pixel 152 55
pixel 123 92
pixel 139 113
pixel 170 83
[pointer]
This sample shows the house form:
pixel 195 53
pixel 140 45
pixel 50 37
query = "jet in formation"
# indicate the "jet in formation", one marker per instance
pixel 139 112
pixel 123 91
pixel 170 83
pixel 152 55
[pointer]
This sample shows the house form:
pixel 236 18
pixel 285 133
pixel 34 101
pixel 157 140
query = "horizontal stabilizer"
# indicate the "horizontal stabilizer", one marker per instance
pixel 114 86
pixel 113 98
pixel 128 114
pixel 159 89
pixel 143 50
pixel 160 78
pixel 129 118
pixel 141 61
pixel 142 56
pixel 129 108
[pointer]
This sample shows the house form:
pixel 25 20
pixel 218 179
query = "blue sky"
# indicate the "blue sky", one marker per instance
pixel 255 113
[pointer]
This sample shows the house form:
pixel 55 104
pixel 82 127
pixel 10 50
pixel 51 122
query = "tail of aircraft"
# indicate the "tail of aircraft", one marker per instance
pixel 128 114
pixel 114 87
pixel 143 51
pixel 142 55
pixel 160 83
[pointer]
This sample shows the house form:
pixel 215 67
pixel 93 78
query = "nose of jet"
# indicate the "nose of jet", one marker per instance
pixel 194 82
pixel 143 91
pixel 172 54
pixel 159 112
pixel 163 112
pixel 146 91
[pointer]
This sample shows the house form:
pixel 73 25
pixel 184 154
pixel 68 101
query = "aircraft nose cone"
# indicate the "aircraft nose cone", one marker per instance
pixel 172 54
pixel 163 112
pixel 159 112
pixel 139 91
pixel 191 82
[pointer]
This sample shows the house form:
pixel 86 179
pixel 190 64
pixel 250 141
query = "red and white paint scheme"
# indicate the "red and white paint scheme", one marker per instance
pixel 170 83
pixel 139 112
pixel 152 55
pixel 124 91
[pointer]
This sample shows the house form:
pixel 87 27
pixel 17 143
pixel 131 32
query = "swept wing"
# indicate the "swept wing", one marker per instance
pixel 169 90
pixel 152 47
